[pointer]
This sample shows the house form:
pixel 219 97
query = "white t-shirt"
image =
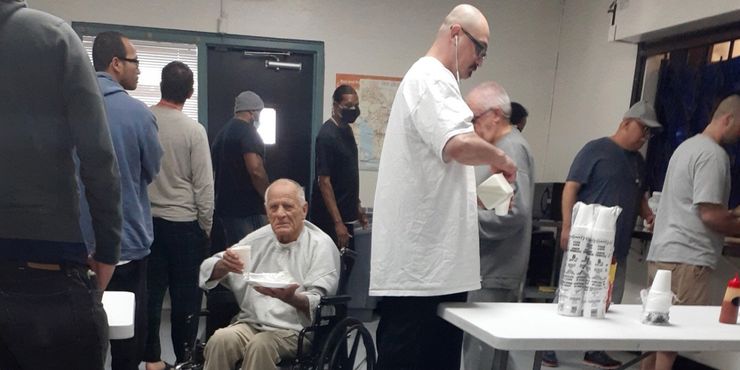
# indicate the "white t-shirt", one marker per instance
pixel 425 221
pixel 698 172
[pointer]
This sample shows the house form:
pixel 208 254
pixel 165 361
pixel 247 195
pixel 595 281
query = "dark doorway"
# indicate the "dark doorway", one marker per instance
pixel 289 92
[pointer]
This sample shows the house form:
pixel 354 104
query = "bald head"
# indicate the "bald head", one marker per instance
pixel 725 125
pixel 462 41
pixel 289 185
pixel 468 16
pixel 730 105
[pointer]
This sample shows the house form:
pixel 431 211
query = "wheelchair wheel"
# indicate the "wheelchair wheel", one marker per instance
pixel 343 346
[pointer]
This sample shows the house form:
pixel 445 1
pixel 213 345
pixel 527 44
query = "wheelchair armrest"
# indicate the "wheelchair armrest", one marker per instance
pixel 335 300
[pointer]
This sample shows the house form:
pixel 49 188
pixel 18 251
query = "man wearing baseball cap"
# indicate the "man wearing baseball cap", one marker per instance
pixel 611 171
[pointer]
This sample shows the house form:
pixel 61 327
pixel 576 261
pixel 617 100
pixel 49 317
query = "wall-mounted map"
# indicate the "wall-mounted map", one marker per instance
pixel 376 94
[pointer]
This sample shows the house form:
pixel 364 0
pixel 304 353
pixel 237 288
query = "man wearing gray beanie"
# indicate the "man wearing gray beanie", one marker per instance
pixel 240 183
pixel 238 154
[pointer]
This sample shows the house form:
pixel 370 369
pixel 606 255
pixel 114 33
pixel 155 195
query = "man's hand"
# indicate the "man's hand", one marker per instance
pixel 564 237
pixel 284 294
pixel 229 262
pixel 650 222
pixel 363 218
pixel 507 168
pixel 103 272
pixel 342 235
pixel 289 296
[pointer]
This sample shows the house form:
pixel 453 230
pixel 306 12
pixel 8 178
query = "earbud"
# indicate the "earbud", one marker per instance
pixel 455 40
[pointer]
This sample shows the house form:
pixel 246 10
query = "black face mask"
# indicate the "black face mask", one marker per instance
pixel 350 115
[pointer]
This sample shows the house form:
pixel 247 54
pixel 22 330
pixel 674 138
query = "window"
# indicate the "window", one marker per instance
pixel 267 127
pixel 720 51
pixel 153 56
pixel 686 76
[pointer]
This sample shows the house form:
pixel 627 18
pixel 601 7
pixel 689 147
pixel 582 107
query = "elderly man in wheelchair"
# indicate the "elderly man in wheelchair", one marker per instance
pixel 266 329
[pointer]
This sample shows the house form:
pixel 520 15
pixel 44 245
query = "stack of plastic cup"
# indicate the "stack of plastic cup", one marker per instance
pixel 656 302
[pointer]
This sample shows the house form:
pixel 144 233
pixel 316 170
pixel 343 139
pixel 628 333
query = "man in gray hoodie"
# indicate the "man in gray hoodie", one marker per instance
pixel 51 109
pixel 504 240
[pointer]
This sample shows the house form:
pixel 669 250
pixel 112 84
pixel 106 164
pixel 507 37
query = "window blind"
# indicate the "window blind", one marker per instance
pixel 153 56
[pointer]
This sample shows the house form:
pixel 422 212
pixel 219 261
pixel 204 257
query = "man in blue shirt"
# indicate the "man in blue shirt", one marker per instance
pixel 134 133
pixel 610 171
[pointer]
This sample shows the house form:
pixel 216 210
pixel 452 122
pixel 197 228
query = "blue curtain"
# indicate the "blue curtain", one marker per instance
pixel 684 103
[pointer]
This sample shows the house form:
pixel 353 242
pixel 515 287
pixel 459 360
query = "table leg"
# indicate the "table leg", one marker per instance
pixel 500 359
pixel 537 364
pixel 635 360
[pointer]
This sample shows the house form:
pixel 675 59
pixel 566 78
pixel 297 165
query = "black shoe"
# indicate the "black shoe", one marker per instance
pixel 601 360
pixel 549 359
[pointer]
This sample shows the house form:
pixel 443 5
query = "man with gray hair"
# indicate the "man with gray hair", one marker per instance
pixel 425 237
pixel 504 240
pixel 611 171
pixel 238 154
pixel 270 319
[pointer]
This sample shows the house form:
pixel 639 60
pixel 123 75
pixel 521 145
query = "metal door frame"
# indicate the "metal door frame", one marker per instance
pixel 205 39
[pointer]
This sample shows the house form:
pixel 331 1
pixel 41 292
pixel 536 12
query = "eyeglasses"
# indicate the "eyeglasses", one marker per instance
pixel 135 61
pixel 645 128
pixel 485 112
pixel 480 48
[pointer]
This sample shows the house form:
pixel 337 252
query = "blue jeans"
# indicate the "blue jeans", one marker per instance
pixel 51 319
pixel 177 251
pixel 236 228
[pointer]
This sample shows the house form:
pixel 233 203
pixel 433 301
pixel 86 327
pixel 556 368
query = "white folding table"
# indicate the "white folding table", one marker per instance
pixel 119 307
pixel 538 327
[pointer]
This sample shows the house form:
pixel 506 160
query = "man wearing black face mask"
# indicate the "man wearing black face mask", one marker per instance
pixel 335 204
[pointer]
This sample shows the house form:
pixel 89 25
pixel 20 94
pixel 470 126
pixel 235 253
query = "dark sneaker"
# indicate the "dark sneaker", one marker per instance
pixel 549 359
pixel 601 360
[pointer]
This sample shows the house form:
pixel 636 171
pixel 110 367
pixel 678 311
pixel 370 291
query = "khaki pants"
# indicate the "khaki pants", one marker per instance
pixel 689 283
pixel 259 350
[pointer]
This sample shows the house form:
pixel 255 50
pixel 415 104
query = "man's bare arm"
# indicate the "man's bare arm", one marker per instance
pixel 720 219
pixel 570 194
pixel 471 150
pixel 256 171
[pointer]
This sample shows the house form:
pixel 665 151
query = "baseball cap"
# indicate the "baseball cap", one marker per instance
pixel 643 112
pixel 248 100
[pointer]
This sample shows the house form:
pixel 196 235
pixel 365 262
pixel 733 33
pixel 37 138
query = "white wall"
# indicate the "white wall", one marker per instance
pixel 643 20
pixel 379 37
pixel 593 84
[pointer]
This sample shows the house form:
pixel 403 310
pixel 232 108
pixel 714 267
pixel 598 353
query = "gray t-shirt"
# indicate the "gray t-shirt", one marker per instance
pixel 698 172
pixel 611 176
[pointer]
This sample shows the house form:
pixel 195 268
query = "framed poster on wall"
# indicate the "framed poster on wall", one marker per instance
pixel 376 94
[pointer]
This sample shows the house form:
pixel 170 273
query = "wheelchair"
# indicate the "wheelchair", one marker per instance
pixel 336 340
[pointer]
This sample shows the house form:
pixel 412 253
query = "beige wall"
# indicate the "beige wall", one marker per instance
pixel 593 84
pixel 379 37
pixel 642 20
